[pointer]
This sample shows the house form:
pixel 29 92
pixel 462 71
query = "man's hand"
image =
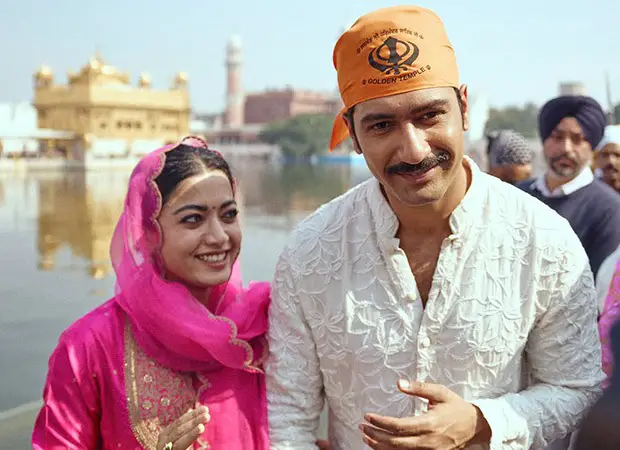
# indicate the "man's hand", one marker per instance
pixel 451 423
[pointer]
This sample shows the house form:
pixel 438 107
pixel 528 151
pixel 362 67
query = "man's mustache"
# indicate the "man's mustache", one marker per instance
pixel 556 159
pixel 423 166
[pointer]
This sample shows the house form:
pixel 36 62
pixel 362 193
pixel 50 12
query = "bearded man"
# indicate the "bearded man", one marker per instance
pixel 570 128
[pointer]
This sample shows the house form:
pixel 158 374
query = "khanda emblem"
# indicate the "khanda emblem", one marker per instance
pixel 394 56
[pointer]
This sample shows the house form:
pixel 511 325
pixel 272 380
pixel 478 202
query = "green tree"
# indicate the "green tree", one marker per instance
pixel 523 120
pixel 301 136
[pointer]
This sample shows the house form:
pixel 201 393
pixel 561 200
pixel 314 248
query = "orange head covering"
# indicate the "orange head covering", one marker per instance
pixel 391 51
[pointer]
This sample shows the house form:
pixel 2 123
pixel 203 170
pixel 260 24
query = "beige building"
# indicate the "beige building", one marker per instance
pixel 99 103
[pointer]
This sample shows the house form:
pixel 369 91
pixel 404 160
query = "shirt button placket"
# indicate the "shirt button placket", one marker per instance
pixel 424 344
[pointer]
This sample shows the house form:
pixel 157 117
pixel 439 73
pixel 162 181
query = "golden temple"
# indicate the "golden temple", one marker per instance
pixel 99 102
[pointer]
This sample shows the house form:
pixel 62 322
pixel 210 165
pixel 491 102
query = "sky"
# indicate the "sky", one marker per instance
pixel 509 52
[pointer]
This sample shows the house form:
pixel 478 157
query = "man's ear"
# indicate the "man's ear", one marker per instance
pixel 465 102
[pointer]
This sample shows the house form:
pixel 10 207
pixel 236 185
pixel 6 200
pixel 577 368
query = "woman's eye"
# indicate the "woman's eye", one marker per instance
pixel 194 218
pixel 231 214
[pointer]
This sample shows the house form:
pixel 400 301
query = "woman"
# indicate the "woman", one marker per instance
pixel 174 359
pixel 600 429
pixel 609 317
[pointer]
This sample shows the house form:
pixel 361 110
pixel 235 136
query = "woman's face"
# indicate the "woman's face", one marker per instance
pixel 201 235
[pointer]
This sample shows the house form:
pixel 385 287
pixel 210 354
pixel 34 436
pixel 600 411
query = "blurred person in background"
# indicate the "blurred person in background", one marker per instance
pixel 571 127
pixel 600 430
pixel 608 157
pixel 509 156
pixel 605 276
pixel 609 317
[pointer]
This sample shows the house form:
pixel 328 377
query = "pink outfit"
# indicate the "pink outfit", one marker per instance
pixel 610 316
pixel 136 364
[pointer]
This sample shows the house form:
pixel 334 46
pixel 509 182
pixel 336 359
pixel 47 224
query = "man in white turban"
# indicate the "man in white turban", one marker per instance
pixel 608 157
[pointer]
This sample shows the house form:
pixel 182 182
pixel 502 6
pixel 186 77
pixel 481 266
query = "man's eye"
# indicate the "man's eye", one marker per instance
pixel 430 115
pixel 380 125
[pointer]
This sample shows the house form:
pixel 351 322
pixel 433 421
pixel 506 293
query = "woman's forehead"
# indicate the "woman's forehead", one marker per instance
pixel 212 187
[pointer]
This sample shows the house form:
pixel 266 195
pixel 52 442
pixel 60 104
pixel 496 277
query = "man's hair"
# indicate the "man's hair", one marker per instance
pixel 349 115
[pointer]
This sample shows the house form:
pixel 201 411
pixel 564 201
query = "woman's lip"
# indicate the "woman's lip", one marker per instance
pixel 213 253
pixel 217 265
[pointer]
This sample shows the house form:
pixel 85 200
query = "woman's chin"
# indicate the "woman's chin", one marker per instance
pixel 207 280
pixel 201 277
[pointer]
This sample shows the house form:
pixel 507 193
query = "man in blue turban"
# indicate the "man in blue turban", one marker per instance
pixel 570 128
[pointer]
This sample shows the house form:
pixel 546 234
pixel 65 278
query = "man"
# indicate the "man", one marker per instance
pixel 509 156
pixel 432 306
pixel 570 127
pixel 608 157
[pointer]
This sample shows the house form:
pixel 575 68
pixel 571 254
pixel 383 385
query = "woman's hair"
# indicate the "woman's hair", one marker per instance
pixel 184 162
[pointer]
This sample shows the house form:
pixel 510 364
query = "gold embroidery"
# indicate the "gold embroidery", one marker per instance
pixel 156 396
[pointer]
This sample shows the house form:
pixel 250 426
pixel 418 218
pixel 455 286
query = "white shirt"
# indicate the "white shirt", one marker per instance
pixel 347 322
pixel 584 178
pixel 604 276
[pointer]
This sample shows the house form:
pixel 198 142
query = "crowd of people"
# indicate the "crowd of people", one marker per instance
pixel 433 306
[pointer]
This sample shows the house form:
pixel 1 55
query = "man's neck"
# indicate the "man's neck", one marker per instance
pixel 553 182
pixel 433 218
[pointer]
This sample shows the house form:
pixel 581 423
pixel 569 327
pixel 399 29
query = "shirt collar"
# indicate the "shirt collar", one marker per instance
pixel 584 178
pixel 465 215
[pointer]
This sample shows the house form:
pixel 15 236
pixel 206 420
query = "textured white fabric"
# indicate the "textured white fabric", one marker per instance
pixel 510 323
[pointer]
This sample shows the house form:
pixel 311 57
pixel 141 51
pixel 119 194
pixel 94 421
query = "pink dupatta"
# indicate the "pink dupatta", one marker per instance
pixel 167 322
pixel 610 316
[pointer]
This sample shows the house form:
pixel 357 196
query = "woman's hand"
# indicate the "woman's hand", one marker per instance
pixel 184 431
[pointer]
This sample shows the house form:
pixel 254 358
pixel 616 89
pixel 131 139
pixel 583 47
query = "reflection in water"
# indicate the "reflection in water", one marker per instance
pixel 46 216
pixel 79 210
pixel 303 188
